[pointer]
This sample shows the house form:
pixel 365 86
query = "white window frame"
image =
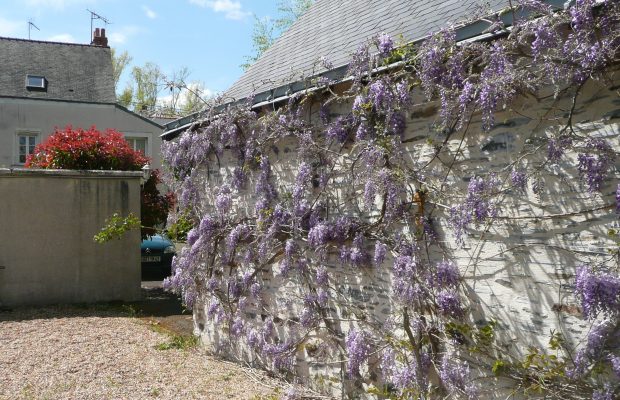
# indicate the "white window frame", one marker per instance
pixel 138 135
pixel 25 133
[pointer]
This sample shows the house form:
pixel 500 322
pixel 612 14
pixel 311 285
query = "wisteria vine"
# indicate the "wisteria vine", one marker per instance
pixel 289 204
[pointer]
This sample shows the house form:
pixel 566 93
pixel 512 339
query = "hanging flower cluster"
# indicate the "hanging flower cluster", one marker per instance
pixel 297 207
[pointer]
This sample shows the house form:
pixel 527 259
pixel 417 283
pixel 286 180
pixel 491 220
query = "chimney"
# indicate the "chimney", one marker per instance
pixel 99 38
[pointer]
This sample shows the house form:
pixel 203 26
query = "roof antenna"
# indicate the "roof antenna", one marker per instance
pixel 30 26
pixel 94 16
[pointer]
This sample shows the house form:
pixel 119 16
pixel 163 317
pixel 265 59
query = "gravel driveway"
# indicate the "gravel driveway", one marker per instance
pixel 102 353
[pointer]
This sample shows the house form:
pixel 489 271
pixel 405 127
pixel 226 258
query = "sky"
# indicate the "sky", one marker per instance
pixel 210 38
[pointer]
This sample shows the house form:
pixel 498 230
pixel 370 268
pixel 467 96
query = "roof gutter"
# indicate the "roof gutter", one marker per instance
pixel 475 31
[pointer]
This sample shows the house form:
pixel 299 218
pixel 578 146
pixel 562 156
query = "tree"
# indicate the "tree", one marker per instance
pixel 195 99
pixel 93 150
pixel 119 63
pixel 266 31
pixel 148 81
pixel 126 97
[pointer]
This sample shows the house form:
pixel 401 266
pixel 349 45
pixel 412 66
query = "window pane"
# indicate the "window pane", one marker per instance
pixel 141 145
pixel 26 145
pixel 36 81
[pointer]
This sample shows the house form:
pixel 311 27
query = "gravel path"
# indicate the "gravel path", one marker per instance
pixel 98 353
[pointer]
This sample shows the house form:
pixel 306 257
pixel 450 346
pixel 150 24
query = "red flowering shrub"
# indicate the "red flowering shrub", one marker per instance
pixel 79 149
pixel 92 150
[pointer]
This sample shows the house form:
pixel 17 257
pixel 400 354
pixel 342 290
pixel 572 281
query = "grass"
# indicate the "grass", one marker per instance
pixel 274 396
pixel 175 341
pixel 180 342
pixel 227 377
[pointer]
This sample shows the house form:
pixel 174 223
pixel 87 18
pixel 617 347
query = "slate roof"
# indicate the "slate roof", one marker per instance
pixel 75 72
pixel 335 29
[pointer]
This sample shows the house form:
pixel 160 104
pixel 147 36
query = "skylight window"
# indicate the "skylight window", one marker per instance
pixel 35 82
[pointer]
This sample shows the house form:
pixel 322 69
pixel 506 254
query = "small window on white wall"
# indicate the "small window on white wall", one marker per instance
pixel 139 144
pixel 26 142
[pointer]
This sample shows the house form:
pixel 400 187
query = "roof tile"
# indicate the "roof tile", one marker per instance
pixel 336 28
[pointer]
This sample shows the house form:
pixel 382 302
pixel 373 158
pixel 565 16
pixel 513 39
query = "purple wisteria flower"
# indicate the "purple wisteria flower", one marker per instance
pixel 359 103
pixel 322 297
pixel 357 254
pixel 282 355
pixel 223 200
pixel 238 179
pixel 446 275
pixel 595 163
pixel 607 393
pixel 319 235
pixel 598 291
pixel 402 93
pixel 593 351
pixel 406 287
pixel 518 177
pixel 304 175
pixel 308 317
pixel 433 56
pixel 362 132
pixel 237 327
pixel 321 276
pixel 404 375
pixel 358 350
pixel 546 39
pixel 264 187
pixel 380 252
pixel 237 233
pixel 338 130
pixel 497 84
pixel 477 206
pixel 360 63
pixel 254 339
pixel 396 124
pixel 385 44
pixel 455 375
pixel 370 191
pixel 214 310
pixel 617 199
pixel 208 227
pixel 380 94
pixel 193 235
pixel 449 303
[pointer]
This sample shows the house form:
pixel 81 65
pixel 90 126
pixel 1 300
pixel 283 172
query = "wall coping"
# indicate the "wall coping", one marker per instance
pixel 69 173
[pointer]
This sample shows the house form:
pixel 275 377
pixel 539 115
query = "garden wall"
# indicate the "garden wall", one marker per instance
pixel 47 222
pixel 518 271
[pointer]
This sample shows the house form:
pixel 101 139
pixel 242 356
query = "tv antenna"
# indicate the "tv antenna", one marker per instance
pixel 94 16
pixel 30 26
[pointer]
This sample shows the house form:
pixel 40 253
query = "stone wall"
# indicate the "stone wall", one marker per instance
pixel 47 222
pixel 519 271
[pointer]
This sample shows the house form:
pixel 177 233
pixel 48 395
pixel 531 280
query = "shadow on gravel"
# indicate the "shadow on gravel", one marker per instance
pixel 157 307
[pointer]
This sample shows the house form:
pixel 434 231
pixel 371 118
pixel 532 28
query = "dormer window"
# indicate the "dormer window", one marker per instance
pixel 35 82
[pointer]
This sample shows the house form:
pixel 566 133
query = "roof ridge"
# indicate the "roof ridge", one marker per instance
pixel 51 42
